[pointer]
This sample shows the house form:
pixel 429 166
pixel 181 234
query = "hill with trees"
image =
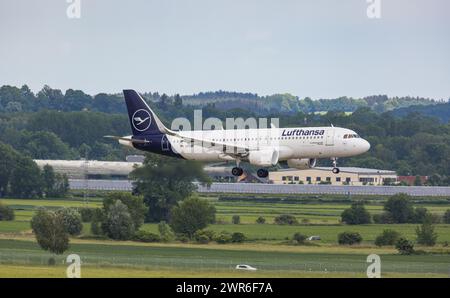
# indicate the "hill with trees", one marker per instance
pixel 54 125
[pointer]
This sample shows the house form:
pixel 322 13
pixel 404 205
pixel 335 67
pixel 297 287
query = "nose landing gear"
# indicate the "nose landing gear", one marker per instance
pixel 335 168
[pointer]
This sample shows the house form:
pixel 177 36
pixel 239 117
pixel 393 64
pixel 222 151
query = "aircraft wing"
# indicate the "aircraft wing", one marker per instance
pixel 136 141
pixel 227 148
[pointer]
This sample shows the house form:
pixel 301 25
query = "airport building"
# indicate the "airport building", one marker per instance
pixel 323 175
pixel 91 169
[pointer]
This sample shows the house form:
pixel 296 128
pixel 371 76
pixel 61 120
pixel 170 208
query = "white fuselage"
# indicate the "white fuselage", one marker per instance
pixel 291 143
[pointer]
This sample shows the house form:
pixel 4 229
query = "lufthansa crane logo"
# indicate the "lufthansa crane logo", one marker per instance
pixel 141 120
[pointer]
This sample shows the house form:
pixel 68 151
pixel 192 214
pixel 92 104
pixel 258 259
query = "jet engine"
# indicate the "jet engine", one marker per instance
pixel 264 158
pixel 302 163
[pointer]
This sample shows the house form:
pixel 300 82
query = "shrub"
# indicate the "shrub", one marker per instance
pixel 349 238
pixel 135 205
pixel 420 215
pixel 165 231
pixel 260 220
pixel 425 233
pixel 182 238
pixel 383 218
pixel 118 224
pixel 446 217
pixel 6 213
pixel 238 237
pixel 305 221
pixel 72 220
pixel 87 214
pixel 356 215
pixel 236 219
pixel 144 236
pixel 388 237
pixel 285 219
pixel 95 228
pixel 404 246
pixel 299 238
pixel 223 237
pixel 191 215
pixel 203 236
pixel 400 207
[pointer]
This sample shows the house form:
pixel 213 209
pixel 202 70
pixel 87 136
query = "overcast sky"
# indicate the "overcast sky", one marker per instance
pixel 317 48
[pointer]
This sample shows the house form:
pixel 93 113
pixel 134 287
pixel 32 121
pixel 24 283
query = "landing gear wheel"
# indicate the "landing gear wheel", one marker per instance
pixel 262 173
pixel 237 171
pixel 335 168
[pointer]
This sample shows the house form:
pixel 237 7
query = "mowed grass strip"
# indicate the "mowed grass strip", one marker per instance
pixel 17 271
pixel 200 259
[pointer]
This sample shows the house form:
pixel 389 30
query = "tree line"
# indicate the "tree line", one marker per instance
pixel 20 177
pixel 14 99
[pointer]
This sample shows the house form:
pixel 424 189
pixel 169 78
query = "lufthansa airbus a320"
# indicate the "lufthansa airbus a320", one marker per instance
pixel 262 147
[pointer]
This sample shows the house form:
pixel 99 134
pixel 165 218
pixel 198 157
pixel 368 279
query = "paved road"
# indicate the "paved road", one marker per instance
pixel 252 188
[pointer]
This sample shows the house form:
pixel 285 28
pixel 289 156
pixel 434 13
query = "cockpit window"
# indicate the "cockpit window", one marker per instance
pixel 349 136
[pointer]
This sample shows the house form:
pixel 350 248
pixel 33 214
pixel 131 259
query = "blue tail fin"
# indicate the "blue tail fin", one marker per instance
pixel 142 119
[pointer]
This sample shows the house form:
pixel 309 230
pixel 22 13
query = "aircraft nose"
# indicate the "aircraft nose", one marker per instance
pixel 365 146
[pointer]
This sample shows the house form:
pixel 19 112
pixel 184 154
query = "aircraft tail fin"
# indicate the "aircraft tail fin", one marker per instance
pixel 143 120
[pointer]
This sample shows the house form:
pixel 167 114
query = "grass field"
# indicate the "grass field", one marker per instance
pixel 266 247
pixel 160 258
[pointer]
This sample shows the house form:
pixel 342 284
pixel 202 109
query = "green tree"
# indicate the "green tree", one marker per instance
pixel 26 180
pixel 118 223
pixel 165 232
pixel 49 229
pixel 237 237
pixel 356 214
pixel 191 215
pixel 400 208
pixel 6 213
pixel 426 234
pixel 54 184
pixel 49 179
pixel 404 246
pixel 285 219
pixel 446 217
pixel 260 220
pixel 135 205
pixel 349 238
pixel 388 237
pixel 72 220
pixel 164 181
pixel 236 219
pixel 299 238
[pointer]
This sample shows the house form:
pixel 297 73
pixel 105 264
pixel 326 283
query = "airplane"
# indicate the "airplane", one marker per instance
pixel 263 147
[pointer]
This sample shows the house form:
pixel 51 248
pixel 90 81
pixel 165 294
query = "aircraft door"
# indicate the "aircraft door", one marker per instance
pixel 330 137
pixel 165 143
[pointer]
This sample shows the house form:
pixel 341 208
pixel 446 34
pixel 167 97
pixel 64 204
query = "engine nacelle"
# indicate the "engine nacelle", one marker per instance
pixel 264 158
pixel 302 164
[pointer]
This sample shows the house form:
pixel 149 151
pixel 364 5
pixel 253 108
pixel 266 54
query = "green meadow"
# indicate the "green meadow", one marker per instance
pixel 267 247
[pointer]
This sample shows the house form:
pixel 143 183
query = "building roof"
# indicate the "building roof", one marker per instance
pixel 354 170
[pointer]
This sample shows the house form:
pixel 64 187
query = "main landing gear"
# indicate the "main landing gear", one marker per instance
pixel 335 168
pixel 262 173
pixel 237 171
